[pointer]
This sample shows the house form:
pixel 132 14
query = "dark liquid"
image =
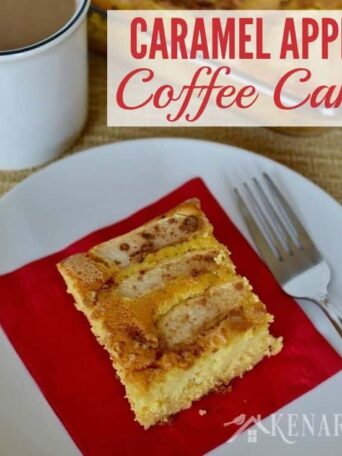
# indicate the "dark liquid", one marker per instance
pixel 26 22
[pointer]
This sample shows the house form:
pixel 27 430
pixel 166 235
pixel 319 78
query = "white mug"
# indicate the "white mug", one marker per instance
pixel 44 95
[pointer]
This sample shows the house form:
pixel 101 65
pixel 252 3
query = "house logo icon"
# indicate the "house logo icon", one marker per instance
pixel 287 426
pixel 243 423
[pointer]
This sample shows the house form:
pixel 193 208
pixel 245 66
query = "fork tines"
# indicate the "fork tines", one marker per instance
pixel 276 230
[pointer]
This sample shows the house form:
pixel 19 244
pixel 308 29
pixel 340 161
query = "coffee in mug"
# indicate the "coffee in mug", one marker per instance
pixel 26 22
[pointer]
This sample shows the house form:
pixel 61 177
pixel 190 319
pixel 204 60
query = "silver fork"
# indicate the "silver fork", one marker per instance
pixel 286 247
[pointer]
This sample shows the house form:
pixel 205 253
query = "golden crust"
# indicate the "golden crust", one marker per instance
pixel 84 277
pixel 160 312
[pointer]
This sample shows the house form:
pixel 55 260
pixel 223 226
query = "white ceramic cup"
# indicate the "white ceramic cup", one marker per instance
pixel 44 95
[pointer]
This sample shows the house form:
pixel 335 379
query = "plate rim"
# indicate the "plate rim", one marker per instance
pixel 116 149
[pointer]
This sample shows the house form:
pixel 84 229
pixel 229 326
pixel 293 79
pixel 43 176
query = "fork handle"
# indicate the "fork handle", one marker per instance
pixel 331 312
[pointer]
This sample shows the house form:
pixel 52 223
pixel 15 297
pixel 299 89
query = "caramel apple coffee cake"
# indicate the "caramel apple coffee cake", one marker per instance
pixel 166 303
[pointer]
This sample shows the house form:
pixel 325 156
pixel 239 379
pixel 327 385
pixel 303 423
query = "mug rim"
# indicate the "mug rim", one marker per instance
pixel 80 12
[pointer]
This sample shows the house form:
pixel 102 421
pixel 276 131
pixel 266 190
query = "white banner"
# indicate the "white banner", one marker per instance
pixel 225 68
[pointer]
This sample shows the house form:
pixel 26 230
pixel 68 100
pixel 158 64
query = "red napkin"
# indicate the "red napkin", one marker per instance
pixel 76 377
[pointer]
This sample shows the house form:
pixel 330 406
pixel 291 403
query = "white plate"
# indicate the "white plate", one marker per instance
pixel 82 193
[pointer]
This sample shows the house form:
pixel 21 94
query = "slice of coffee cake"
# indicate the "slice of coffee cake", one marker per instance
pixel 166 303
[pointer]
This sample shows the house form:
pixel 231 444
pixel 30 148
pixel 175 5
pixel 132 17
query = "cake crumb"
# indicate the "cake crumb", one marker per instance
pixel 276 346
pixel 219 258
pixel 202 412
